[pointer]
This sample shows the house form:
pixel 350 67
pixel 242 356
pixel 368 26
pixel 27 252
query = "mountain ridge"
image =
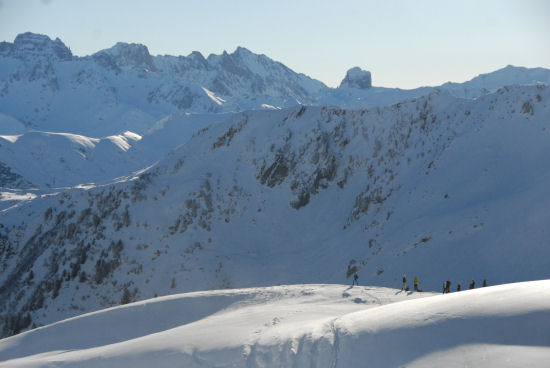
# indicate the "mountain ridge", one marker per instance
pixel 124 88
pixel 94 95
pixel 97 91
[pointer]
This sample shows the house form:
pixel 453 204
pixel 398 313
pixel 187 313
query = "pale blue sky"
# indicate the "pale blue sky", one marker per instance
pixel 404 44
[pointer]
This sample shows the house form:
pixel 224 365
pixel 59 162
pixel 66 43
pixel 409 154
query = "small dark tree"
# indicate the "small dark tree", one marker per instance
pixel 126 297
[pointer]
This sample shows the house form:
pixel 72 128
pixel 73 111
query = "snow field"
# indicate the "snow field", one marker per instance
pixel 302 325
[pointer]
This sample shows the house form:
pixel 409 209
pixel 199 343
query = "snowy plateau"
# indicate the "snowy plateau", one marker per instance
pixel 212 211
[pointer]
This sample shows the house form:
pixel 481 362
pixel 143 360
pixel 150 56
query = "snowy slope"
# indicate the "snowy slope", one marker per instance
pixel 11 126
pixel 440 187
pixel 62 159
pixel 47 160
pixel 302 325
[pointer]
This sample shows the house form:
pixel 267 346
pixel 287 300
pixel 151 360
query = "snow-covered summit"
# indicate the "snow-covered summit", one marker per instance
pixel 357 78
pixel 511 75
pixel 490 82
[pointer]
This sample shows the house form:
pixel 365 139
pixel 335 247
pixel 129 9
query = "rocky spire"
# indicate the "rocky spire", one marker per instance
pixel 357 78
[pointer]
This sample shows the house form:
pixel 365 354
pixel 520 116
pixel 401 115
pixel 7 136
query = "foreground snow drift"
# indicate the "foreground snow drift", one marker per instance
pixel 302 325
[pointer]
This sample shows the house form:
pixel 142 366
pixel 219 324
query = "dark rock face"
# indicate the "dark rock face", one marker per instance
pixel 8 178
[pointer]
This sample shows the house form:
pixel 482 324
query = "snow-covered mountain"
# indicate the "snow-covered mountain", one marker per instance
pixel 63 159
pixel 439 187
pixel 124 176
pixel 356 89
pixel 47 161
pixel 47 94
pixel 489 82
pixel 46 88
pixel 302 326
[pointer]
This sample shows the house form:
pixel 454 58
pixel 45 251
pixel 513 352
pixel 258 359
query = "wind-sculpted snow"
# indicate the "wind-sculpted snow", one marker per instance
pixel 439 187
pixel 302 326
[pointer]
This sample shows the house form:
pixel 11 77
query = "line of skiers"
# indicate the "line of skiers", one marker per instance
pixel 447 286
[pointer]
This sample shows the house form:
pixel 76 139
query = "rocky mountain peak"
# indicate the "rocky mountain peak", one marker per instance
pixel 131 55
pixel 30 44
pixel 357 78
pixel 196 60
pixel 240 56
pixel 196 55
pixel 242 51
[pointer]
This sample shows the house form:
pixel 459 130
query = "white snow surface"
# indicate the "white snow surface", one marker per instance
pixel 213 96
pixel 307 325
pixel 52 160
